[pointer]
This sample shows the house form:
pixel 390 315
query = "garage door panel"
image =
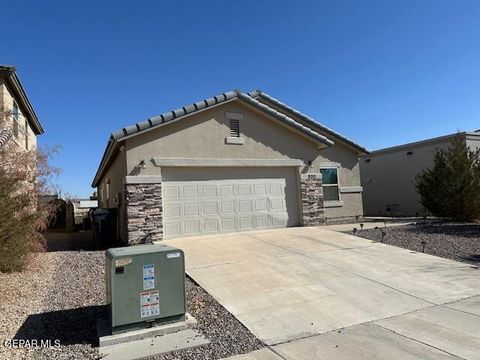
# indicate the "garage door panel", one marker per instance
pixel 278 220
pixel 260 189
pixel 190 191
pixel 245 223
pixel 228 224
pixel 245 206
pixel 171 192
pixel 210 190
pixel 261 204
pixel 172 229
pixel 275 189
pixel 226 190
pixel 211 225
pixel 261 221
pixel 171 210
pixel 228 205
pixel 210 208
pixel 244 189
pixel 191 209
pixel 192 227
pixel 276 204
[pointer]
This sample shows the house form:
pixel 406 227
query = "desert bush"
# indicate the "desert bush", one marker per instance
pixel 451 188
pixel 24 176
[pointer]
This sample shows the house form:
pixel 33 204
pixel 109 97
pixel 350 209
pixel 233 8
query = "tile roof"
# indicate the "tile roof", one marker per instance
pixel 315 124
pixel 249 98
pixel 172 115
pixel 156 121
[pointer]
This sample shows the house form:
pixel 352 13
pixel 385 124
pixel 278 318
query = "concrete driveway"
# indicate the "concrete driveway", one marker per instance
pixel 313 293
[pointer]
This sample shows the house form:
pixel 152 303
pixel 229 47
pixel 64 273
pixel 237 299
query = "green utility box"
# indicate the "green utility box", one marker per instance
pixel 145 286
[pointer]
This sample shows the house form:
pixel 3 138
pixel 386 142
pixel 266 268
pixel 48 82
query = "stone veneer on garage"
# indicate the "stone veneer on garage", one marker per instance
pixel 312 199
pixel 144 212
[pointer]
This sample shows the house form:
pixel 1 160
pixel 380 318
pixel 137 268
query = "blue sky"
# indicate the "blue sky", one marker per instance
pixel 380 72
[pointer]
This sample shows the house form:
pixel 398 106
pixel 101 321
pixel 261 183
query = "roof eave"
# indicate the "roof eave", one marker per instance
pixel 107 154
pixel 178 114
pixel 359 149
pixel 289 121
pixel 15 83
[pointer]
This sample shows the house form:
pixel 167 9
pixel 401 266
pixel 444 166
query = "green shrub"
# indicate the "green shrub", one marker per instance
pixel 451 188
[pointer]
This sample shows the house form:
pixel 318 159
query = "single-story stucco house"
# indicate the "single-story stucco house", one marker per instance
pixel 388 175
pixel 234 162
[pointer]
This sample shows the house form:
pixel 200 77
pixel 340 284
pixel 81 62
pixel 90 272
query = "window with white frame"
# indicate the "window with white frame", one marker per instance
pixel 330 183
pixel 15 116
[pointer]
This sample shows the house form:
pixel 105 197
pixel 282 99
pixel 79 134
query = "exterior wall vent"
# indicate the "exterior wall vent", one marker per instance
pixel 234 128
pixel 409 153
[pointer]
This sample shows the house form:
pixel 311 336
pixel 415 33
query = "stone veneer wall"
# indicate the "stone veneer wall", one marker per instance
pixel 312 199
pixel 144 212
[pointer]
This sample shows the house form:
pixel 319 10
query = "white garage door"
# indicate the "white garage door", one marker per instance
pixel 213 200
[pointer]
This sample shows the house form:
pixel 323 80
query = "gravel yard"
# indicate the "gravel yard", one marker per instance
pixel 61 295
pixel 460 242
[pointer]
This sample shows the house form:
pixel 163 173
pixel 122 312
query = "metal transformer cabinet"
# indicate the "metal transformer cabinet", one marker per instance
pixel 145 286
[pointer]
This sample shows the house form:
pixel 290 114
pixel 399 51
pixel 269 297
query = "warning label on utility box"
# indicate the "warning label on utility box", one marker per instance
pixel 149 303
pixel 148 277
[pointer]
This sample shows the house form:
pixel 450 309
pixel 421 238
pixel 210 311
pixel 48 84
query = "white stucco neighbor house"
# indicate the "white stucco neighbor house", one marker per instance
pixel 233 162
pixel 388 175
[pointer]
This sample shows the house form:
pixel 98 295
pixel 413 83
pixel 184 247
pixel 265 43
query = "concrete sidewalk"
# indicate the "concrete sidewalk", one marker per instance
pixel 312 293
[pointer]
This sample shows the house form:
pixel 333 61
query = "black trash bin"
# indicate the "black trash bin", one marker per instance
pixel 104 226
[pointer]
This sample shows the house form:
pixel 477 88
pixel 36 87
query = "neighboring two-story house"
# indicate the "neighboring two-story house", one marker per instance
pixel 18 121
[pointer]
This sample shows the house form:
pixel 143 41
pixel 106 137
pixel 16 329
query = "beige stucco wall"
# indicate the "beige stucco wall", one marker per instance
pixel 388 178
pixel 203 136
pixel 6 103
pixel 346 160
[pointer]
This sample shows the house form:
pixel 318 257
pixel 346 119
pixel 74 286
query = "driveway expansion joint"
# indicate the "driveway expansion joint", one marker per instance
pixel 420 342
pixel 446 305
pixel 346 270
pixel 292 261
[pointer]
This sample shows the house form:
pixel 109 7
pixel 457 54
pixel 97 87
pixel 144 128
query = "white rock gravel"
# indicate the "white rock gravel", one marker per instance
pixel 460 242
pixel 61 294
pixel 58 297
